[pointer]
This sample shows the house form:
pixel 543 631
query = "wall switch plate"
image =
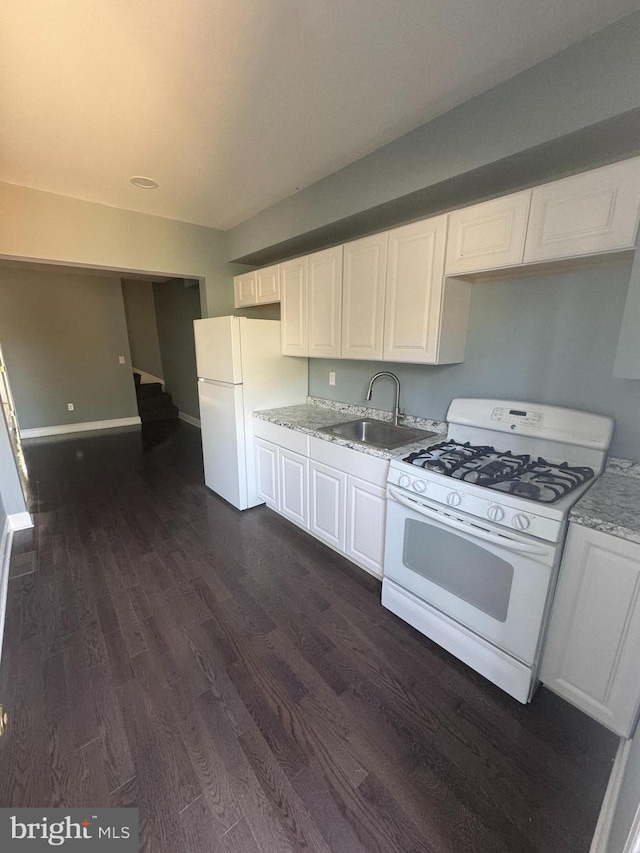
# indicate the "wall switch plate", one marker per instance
pixel 121 359
pixel 70 406
pixel 332 378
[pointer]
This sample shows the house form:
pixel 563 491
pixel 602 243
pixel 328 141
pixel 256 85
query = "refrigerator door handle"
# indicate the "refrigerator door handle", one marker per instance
pixel 218 382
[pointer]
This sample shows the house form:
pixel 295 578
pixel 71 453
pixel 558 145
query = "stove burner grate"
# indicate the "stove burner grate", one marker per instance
pixel 518 475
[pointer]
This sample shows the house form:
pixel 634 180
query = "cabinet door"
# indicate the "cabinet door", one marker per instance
pixel 489 235
pixel 244 290
pixel 413 303
pixel 366 513
pixel 268 284
pixel 327 488
pixel 293 307
pixel 293 482
pixel 593 646
pixel 363 286
pixel 267 472
pixel 324 283
pixel 593 212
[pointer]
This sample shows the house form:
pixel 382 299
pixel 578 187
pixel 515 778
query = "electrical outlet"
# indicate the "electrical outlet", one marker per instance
pixel 121 359
pixel 332 378
pixel 70 406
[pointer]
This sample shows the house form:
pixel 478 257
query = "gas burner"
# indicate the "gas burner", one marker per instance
pixel 544 481
pixel 490 466
pixel 541 481
pixel 446 457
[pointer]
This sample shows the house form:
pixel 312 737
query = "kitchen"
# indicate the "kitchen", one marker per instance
pixel 322 490
pixel 490 375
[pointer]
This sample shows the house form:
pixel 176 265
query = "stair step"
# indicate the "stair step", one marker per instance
pixel 155 402
pixel 162 414
pixel 148 389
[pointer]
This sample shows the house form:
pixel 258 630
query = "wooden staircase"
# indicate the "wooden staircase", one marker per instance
pixel 154 404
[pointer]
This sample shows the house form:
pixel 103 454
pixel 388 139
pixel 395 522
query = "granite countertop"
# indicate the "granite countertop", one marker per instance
pixel 612 504
pixel 317 413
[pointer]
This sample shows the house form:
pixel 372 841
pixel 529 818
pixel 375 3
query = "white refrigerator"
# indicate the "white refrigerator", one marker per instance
pixel 240 370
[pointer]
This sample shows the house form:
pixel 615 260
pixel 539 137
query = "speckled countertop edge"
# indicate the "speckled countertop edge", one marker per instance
pixel 612 504
pixel 309 418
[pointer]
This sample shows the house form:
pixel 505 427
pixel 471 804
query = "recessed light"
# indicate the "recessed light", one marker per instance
pixel 144 183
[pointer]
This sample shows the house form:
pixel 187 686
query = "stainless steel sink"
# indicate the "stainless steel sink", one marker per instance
pixel 377 433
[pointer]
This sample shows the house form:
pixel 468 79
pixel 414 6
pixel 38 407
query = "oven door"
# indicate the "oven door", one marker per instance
pixel 495 583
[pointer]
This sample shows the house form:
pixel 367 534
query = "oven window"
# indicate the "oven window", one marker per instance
pixel 463 568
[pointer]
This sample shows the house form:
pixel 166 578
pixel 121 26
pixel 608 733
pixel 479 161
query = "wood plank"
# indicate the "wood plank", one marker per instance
pixel 240 683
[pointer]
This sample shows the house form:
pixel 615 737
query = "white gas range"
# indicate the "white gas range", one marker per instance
pixel 476 525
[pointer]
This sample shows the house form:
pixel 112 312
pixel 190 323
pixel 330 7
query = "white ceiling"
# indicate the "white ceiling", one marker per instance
pixel 232 105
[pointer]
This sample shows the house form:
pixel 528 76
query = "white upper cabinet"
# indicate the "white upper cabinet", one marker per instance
pixel 593 212
pixel 293 307
pixel 268 284
pixel 415 270
pixel 593 646
pixel 257 288
pixel 244 290
pixel 324 300
pixel 489 235
pixel 363 286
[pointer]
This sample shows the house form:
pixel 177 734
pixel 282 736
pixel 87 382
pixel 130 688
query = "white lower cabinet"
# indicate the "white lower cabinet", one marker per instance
pixel 294 477
pixel 267 472
pixel 327 489
pixel 336 493
pixel 366 516
pixel 593 646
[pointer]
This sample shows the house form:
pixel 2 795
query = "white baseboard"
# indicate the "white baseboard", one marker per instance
pixel 20 521
pixel 16 521
pixel 146 378
pixel 5 557
pixel 189 419
pixel 87 426
pixel 601 835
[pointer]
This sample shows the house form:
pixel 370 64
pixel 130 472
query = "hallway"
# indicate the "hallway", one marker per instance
pixel 242 686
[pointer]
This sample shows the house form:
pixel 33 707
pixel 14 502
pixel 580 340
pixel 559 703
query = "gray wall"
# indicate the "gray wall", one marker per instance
pixel 61 336
pixel 142 330
pixel 588 83
pixel 176 308
pixel 11 495
pixel 548 339
pixel 36 225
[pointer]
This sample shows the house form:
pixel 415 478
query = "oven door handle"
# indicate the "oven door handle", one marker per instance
pixel 476 532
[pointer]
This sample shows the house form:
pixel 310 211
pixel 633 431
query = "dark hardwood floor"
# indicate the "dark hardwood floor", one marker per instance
pixel 242 686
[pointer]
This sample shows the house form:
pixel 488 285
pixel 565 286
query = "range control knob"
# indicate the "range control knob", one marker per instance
pixel 420 486
pixel 495 512
pixel 404 480
pixel 520 521
pixel 454 498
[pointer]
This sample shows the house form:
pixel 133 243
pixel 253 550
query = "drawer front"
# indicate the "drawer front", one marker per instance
pixel 370 468
pixel 285 437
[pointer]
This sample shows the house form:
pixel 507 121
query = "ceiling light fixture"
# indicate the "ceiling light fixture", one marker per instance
pixel 144 183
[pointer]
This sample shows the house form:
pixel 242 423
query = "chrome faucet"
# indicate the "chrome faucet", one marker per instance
pixel 396 410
